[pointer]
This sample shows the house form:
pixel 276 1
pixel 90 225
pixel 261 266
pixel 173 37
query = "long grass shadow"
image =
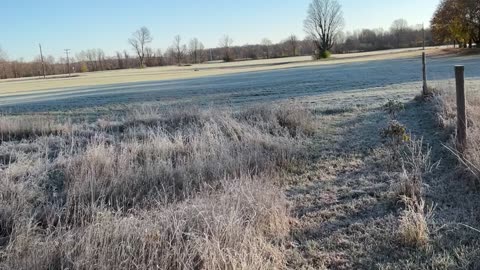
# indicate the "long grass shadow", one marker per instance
pixel 352 213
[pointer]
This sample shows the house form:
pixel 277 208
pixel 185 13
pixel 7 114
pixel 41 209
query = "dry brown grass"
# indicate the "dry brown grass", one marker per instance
pixel 457 194
pixel 409 188
pixel 240 226
pixel 25 127
pixel 413 228
pixel 416 164
pixel 446 111
pixel 413 157
pixel 163 189
pixel 445 106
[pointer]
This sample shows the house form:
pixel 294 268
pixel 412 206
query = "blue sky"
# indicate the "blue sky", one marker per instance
pixel 107 24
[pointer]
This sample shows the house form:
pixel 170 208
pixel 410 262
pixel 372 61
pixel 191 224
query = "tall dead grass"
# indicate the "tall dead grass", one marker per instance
pixel 446 111
pixel 409 188
pixel 239 226
pixel 411 159
pixel 25 127
pixel 177 189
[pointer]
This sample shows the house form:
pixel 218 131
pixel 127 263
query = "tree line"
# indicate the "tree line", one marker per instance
pixel 457 21
pixel 400 35
pixel 142 55
pixel 324 34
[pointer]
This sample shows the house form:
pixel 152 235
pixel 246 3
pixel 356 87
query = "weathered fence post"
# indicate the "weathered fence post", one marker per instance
pixel 461 109
pixel 424 69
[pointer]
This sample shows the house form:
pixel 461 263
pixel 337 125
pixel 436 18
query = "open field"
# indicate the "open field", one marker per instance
pixel 17 86
pixel 366 159
pixel 241 89
pixel 283 169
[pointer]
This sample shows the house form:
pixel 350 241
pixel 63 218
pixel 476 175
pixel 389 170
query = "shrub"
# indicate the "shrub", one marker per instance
pixel 322 55
pixel 83 67
pixel 396 133
pixel 325 54
pixel 393 107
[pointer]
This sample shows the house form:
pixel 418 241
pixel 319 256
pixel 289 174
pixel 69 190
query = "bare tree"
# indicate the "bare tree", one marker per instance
pixel 195 48
pixel 149 56
pixel 324 22
pixel 3 64
pixel 225 43
pixel 101 59
pixel 139 41
pixel 179 49
pixel 120 62
pixel 3 54
pixel 398 29
pixel 159 57
pixel 92 59
pixel 292 44
pixel 267 44
pixel 126 58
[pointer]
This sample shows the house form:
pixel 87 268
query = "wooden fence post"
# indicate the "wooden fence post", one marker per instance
pixel 424 69
pixel 461 109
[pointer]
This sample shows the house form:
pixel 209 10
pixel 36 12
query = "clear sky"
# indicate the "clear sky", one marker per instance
pixel 107 24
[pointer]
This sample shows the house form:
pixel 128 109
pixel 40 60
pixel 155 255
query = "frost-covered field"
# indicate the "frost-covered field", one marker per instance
pixel 299 179
pixel 311 80
pixel 16 86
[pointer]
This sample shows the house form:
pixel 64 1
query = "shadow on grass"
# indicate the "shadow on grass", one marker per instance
pixel 351 215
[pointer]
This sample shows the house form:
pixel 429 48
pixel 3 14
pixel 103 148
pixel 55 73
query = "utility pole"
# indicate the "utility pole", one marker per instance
pixel 43 63
pixel 423 29
pixel 68 61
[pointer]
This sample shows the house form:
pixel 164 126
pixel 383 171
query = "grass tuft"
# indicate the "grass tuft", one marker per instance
pixel 413 229
pixel 26 127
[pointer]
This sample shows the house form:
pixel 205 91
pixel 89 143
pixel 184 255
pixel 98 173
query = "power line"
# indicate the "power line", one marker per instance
pixel 67 51
pixel 43 63
pixel 423 29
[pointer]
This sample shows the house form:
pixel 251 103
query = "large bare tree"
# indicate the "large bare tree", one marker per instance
pixel 179 49
pixel 195 48
pixel 323 24
pixel 292 44
pixel 398 29
pixel 225 43
pixel 139 41
pixel 267 44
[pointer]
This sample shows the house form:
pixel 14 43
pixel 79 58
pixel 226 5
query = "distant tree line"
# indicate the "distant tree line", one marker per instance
pixel 400 35
pixel 142 55
pixel 457 21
